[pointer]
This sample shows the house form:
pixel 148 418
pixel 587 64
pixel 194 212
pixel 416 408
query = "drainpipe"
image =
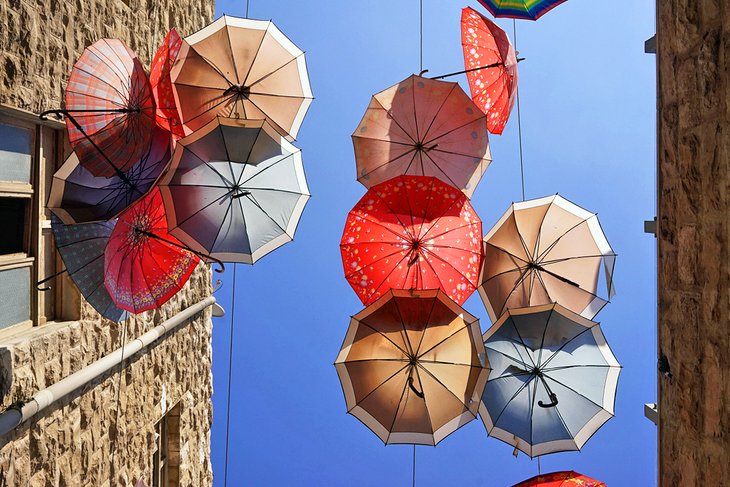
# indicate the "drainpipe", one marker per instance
pixel 24 410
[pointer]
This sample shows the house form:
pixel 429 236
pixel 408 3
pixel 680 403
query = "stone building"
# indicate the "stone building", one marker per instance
pixel 151 421
pixel 693 241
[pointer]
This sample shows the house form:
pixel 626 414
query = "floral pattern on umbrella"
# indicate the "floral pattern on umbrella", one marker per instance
pixel 491 65
pixel 144 265
pixel 412 232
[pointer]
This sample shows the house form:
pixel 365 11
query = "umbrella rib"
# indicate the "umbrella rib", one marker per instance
pixel 404 352
pixel 444 386
pixel 171 278
pixel 428 414
pixel 354 273
pixel 210 63
pixel 223 221
pixel 532 412
pixel 555 242
pixel 233 56
pixel 390 273
pixel 446 338
pixel 389 161
pixel 126 72
pixel 511 357
pixel 518 281
pixel 225 180
pixel 273 95
pixel 426 326
pixel 374 222
pixel 433 162
pixel 544 332
pixel 415 142
pixel 438 111
pixel 456 128
pixel 406 338
pixel 357 403
pixel 395 416
pixel 292 60
pixel 251 198
pixel 471 156
pixel 122 96
pixel 474 284
pixel 256 54
pixel 406 228
pixel 507 403
pixel 471 223
pixel 258 173
pixel 214 108
pixel 507 252
pixel 95 114
pixel 200 210
pixel 527 349
pixel 563 367
pixel 565 344
pixel 564 259
pixel 451 205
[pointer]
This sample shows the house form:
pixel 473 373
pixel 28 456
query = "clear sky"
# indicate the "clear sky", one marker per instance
pixel 588 120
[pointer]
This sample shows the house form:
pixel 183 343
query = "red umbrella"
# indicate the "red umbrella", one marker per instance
pixel 109 108
pixel 412 232
pixel 561 479
pixel 167 114
pixel 145 266
pixel 491 67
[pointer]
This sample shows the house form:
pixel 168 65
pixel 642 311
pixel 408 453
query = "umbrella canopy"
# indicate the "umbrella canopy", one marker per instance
pixel 544 251
pixel 77 196
pixel 561 479
pixel 412 232
pixel 144 266
pixel 422 127
pixel 82 250
pixel 235 190
pixel 412 367
pixel 241 68
pixel 491 66
pixel 520 9
pixel 553 380
pixel 109 96
pixel 167 114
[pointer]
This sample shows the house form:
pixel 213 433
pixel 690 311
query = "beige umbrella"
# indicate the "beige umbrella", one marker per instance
pixel 241 68
pixel 544 251
pixel 413 367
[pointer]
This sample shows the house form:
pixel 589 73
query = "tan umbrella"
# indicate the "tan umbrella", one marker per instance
pixel 544 251
pixel 241 68
pixel 413 367
pixel 422 127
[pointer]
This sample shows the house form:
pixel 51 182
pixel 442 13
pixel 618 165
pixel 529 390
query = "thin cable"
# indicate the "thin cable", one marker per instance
pixel 420 17
pixel 539 472
pixel 119 388
pixel 414 466
pixel 519 118
pixel 247 8
pixel 230 363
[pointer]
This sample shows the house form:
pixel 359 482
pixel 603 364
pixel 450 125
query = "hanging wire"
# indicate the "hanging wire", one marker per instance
pixel 247 8
pixel 539 472
pixel 414 466
pixel 112 472
pixel 420 26
pixel 519 118
pixel 230 363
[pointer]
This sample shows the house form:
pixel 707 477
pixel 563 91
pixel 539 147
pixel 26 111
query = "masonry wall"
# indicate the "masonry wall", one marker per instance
pixel 693 56
pixel 85 439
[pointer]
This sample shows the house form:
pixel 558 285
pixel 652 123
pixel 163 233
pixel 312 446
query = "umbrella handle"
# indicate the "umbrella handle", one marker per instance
pixel 413 388
pixel 552 404
pixel 48 288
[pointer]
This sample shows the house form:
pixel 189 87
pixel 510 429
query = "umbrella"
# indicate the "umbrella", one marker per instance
pixel 241 68
pixel 553 380
pixel 491 67
pixel 412 367
pixel 110 111
pixel 235 190
pixel 82 250
pixel 167 114
pixel 78 196
pixel 412 232
pixel 144 266
pixel 520 9
pixel 561 479
pixel 543 251
pixel 422 127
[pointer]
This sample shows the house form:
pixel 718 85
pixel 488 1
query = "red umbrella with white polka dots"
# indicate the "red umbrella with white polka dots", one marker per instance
pixel 412 232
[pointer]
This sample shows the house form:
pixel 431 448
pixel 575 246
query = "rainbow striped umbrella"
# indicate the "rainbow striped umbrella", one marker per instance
pixel 520 9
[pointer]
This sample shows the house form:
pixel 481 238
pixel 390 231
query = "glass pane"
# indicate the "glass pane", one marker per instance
pixel 14 296
pixel 12 214
pixel 16 147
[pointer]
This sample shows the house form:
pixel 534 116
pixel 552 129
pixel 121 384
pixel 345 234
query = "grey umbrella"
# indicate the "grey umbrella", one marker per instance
pixel 553 380
pixel 235 190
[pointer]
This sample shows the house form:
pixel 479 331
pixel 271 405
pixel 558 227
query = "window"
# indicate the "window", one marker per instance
pixel 30 152
pixel 166 458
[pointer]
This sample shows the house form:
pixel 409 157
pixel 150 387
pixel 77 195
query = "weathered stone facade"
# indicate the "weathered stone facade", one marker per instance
pixel 85 439
pixel 693 59
pixel 71 442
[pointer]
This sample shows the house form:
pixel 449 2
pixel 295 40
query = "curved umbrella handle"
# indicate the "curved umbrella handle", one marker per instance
pixel 49 278
pixel 413 388
pixel 552 404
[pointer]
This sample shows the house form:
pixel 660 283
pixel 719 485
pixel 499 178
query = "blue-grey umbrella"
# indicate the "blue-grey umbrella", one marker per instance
pixel 553 380
pixel 82 249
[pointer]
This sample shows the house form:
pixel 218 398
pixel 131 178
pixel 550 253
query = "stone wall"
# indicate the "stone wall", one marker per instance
pixel 41 39
pixel 693 56
pixel 85 439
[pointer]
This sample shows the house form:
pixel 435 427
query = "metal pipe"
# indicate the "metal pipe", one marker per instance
pixel 24 410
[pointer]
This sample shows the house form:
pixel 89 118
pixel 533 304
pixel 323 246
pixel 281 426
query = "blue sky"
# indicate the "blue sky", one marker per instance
pixel 588 120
